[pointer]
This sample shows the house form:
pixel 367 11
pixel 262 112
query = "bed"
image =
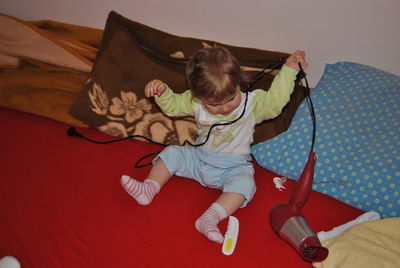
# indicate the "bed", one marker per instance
pixel 61 200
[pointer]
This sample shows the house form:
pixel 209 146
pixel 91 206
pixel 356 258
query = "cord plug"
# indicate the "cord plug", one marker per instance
pixel 73 132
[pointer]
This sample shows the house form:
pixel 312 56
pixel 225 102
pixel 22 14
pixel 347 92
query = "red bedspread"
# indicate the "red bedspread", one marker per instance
pixel 61 205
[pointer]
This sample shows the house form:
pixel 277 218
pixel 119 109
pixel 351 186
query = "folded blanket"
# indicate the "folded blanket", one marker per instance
pixel 43 65
pixel 21 39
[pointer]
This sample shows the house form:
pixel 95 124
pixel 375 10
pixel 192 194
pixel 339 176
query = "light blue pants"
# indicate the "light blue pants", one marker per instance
pixel 229 173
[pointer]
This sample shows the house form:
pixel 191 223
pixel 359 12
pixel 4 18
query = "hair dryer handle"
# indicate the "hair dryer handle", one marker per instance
pixel 303 186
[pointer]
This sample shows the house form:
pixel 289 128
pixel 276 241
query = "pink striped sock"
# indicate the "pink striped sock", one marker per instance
pixel 207 224
pixel 143 192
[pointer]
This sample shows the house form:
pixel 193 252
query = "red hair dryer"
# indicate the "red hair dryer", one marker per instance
pixel 289 224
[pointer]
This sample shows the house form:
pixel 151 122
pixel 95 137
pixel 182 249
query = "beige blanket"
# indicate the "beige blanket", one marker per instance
pixel 369 244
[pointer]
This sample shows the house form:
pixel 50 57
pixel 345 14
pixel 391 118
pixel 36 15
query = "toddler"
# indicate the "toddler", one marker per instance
pixel 224 161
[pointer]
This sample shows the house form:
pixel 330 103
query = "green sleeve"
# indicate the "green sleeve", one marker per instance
pixel 173 104
pixel 269 104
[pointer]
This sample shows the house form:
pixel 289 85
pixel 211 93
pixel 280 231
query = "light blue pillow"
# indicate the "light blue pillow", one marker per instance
pixel 357 140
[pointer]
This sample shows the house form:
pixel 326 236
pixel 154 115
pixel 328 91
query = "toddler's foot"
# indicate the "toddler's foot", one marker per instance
pixel 207 224
pixel 143 192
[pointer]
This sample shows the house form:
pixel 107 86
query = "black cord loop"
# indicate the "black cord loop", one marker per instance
pixel 273 66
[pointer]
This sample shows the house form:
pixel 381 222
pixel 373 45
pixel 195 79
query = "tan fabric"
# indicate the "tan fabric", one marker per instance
pixel 33 78
pixel 7 61
pixel 41 89
pixel 21 39
pixel 369 244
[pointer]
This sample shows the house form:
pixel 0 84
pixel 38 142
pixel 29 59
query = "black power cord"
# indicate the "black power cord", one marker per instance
pixel 74 133
pixel 310 106
pixel 273 66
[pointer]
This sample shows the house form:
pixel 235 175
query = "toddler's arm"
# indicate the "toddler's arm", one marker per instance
pixel 170 103
pixel 269 104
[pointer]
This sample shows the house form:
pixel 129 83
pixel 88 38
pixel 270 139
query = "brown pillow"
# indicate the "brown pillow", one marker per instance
pixel 131 54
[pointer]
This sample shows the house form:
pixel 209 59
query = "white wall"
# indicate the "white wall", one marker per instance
pixel 364 31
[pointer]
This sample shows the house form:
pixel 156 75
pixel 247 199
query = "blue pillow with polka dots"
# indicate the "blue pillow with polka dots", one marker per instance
pixel 357 138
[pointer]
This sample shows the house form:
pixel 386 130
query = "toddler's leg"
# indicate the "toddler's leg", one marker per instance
pixel 144 192
pixel 225 205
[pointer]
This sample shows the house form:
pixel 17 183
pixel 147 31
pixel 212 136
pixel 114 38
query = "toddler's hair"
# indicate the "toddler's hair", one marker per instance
pixel 213 73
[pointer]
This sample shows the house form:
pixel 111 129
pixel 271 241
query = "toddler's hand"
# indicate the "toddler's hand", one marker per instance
pixel 297 57
pixel 154 87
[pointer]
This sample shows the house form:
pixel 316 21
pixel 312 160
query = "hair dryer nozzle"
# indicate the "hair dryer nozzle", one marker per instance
pixel 299 236
pixel 312 250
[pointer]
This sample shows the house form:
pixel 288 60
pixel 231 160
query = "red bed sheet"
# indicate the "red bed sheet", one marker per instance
pixel 61 205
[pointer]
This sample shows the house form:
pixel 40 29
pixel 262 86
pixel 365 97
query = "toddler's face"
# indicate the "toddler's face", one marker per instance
pixel 224 107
